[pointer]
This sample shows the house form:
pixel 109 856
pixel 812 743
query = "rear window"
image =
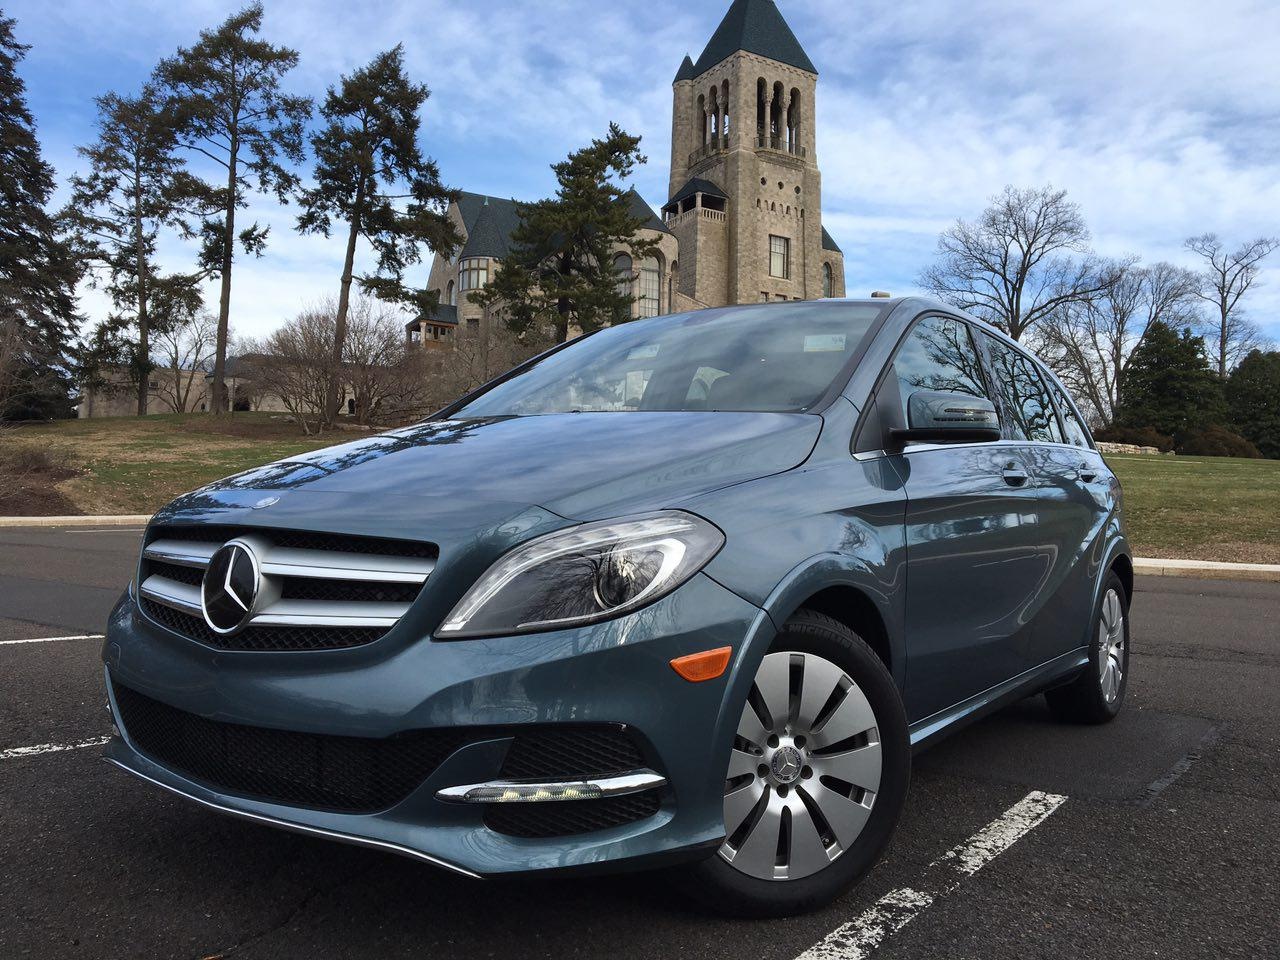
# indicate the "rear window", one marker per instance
pixel 754 358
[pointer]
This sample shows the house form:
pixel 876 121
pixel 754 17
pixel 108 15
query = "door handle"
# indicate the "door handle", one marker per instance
pixel 1086 474
pixel 1015 475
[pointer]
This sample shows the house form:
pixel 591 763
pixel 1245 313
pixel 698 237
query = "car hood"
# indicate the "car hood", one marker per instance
pixel 579 466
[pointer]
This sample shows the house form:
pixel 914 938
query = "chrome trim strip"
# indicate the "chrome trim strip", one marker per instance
pixel 172 593
pixel 302 828
pixel 184 553
pixel 326 613
pixel 619 785
pixel 333 565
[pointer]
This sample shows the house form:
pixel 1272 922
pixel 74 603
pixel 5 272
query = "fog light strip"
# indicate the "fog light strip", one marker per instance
pixel 523 791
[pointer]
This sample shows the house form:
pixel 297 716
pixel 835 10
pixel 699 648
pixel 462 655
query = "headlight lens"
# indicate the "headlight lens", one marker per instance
pixel 585 574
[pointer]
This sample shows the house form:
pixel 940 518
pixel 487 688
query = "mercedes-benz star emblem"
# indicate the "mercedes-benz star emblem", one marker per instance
pixel 786 764
pixel 230 588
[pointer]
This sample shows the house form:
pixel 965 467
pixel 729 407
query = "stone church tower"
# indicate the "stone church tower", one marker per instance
pixel 746 193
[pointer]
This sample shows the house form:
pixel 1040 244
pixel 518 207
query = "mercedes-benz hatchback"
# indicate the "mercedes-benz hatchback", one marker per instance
pixel 684 592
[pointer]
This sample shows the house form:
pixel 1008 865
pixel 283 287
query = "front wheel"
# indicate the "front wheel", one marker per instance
pixel 816 779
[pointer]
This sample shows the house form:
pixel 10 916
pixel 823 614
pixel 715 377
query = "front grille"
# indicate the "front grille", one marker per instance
pixel 562 754
pixel 261 639
pixel 346 774
pixel 319 591
pixel 567 817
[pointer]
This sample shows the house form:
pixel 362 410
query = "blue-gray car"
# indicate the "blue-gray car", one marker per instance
pixel 686 593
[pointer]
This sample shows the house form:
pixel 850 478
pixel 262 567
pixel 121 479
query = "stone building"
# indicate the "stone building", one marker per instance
pixel 743 222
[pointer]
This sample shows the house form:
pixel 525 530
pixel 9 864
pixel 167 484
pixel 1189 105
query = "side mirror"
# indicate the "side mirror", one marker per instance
pixel 935 416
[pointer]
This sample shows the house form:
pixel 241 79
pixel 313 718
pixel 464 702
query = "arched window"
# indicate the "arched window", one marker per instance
pixel 793 122
pixel 702 112
pixel 624 267
pixel 828 282
pixel 452 295
pixel 650 287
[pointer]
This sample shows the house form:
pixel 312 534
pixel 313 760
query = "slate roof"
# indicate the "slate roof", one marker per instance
pixel 698 185
pixel 445 313
pixel 490 222
pixel 686 70
pixel 829 243
pixel 755 26
pixel 641 209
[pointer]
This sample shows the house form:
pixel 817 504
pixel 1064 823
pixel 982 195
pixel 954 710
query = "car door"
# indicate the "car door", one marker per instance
pixel 973 550
pixel 1063 512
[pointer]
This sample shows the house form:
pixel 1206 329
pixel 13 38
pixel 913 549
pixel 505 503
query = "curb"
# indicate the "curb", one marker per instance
pixel 116 521
pixel 1207 570
pixel 1143 567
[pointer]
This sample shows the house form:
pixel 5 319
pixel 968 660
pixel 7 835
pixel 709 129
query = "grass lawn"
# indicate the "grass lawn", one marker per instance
pixel 131 465
pixel 1201 508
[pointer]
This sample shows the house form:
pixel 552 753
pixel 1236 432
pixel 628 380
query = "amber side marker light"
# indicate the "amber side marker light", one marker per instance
pixel 708 665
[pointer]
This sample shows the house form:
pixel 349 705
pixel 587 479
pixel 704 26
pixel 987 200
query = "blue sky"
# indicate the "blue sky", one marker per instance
pixel 1160 117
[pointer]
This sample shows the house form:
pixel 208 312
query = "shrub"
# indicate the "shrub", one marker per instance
pixel 1217 441
pixel 1138 436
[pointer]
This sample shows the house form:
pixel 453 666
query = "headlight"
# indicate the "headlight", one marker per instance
pixel 585 574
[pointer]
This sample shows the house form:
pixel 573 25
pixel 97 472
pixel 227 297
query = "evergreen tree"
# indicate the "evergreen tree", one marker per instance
pixel 230 108
pixel 559 271
pixel 135 186
pixel 1253 397
pixel 372 176
pixel 1169 384
pixel 38 271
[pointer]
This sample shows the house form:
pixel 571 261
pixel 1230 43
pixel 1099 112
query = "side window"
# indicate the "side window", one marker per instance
pixel 1028 410
pixel 1077 435
pixel 938 354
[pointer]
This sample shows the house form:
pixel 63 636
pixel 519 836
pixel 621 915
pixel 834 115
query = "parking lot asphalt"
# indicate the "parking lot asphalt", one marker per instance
pixel 1160 836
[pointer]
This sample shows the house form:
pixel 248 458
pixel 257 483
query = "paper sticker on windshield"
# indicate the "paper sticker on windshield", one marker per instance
pixel 647 352
pixel 822 342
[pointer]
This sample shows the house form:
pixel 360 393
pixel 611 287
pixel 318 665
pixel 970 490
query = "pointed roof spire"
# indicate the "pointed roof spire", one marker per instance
pixel 686 70
pixel 755 26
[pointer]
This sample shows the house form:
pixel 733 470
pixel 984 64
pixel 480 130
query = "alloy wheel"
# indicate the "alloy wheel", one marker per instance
pixel 804 771
pixel 1111 646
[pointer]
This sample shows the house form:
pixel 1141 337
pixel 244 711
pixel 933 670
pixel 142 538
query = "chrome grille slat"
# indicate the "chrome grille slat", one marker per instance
pixel 315 591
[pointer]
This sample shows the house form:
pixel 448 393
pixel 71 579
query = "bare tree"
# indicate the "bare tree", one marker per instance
pixel 482 350
pixel 1024 258
pixel 295 364
pixel 1089 342
pixel 184 349
pixel 1228 276
pixel 375 361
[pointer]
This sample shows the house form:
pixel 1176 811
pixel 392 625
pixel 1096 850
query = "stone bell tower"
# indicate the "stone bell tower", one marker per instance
pixel 745 191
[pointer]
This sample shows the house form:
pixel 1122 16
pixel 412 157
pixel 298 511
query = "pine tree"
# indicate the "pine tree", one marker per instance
pixel 372 176
pixel 1253 397
pixel 1169 384
pixel 38 271
pixel 136 185
pixel 560 270
pixel 230 109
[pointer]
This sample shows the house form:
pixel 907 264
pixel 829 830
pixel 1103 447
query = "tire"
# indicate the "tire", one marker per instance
pixel 1097 695
pixel 793 772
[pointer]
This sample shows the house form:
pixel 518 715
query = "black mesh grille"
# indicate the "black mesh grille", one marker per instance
pixel 348 774
pixel 564 818
pixel 261 639
pixel 551 754
pixel 342 591
pixel 175 571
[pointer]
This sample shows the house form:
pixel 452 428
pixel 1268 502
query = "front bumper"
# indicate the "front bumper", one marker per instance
pixel 617 673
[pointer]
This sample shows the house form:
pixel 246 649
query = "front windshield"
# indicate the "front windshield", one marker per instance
pixel 777 359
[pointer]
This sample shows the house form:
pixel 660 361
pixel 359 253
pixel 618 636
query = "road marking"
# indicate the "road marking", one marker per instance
pixel 859 937
pixel 18 753
pixel 83 636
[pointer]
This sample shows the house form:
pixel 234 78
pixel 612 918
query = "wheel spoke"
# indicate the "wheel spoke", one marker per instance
pixel 741 763
pixel 759 852
pixel 859 767
pixel 751 729
pixel 845 817
pixel 807 854
pixel 819 681
pixel 774 683
pixel 852 717
pixel 739 803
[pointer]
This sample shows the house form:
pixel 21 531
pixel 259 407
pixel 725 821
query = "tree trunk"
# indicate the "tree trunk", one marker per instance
pixel 220 405
pixel 340 320
pixel 144 334
pixel 1222 344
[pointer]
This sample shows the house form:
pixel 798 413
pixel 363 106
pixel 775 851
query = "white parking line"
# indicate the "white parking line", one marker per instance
pixel 83 636
pixel 18 753
pixel 859 937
